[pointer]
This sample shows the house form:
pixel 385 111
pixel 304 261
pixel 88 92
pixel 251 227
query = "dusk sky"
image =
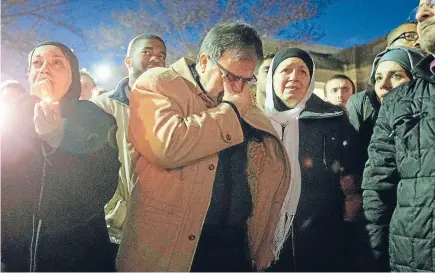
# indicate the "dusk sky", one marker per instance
pixel 346 23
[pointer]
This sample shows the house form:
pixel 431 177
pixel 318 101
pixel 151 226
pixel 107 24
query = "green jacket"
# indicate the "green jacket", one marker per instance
pixel 363 109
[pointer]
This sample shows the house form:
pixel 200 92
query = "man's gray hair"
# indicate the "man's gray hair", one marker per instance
pixel 240 39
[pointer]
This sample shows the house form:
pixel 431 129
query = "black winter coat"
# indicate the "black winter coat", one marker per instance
pixel 52 201
pixel 328 149
pixel 399 179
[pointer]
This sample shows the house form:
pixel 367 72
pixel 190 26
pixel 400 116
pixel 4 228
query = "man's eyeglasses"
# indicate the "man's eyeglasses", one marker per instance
pixel 233 77
pixel 428 4
pixel 409 36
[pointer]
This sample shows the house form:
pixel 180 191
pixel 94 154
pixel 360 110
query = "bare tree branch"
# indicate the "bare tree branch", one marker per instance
pixel 27 22
pixel 183 23
pixel 7 4
pixel 35 10
pixel 59 23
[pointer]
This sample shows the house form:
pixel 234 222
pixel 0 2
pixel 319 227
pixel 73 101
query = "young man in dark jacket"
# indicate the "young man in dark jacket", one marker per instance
pixel 144 52
pixel 399 179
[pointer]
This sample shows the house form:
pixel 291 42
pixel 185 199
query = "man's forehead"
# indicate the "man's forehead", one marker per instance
pixel 339 82
pixel 406 28
pixel 153 43
pixel 234 55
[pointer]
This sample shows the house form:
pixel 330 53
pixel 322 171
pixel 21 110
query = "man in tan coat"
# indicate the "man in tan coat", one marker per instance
pixel 213 175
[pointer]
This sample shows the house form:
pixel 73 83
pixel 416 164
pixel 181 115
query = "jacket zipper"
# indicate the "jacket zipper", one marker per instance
pixel 293 247
pixel 282 135
pixel 35 234
pixel 324 153
pixel 34 244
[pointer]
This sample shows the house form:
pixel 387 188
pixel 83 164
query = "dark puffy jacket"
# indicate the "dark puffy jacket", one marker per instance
pixel 328 149
pixel 399 179
pixel 53 201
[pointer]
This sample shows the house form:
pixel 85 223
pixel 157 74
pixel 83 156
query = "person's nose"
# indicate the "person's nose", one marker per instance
pixel 45 68
pixel 156 60
pixel 292 75
pixel 424 13
pixel 237 85
pixel 385 84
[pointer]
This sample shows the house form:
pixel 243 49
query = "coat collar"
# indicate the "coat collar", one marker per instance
pixel 317 108
pixel 182 67
pixel 422 69
pixel 120 93
pixel 370 104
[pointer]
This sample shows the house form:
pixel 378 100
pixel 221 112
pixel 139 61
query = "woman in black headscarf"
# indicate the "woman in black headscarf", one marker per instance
pixel 323 155
pixel 59 168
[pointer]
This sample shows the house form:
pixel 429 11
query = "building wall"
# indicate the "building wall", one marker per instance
pixel 318 89
pixel 360 76
pixel 360 60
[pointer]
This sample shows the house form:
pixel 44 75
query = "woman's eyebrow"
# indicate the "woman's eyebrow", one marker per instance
pixel 56 56
pixel 399 70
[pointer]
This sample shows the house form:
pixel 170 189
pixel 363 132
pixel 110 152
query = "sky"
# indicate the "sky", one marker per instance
pixel 346 23
pixel 356 22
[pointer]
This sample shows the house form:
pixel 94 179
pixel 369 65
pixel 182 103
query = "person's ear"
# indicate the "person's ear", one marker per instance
pixel 127 62
pixel 203 61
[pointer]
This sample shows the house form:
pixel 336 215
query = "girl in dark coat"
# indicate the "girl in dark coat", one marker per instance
pixel 399 176
pixel 59 167
pixel 391 68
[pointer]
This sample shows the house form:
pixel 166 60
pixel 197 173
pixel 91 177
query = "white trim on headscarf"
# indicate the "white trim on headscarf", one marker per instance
pixel 289 119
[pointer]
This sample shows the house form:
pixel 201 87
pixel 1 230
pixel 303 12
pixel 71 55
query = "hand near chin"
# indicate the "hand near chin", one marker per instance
pixel 240 98
pixel 43 89
pixel 49 123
